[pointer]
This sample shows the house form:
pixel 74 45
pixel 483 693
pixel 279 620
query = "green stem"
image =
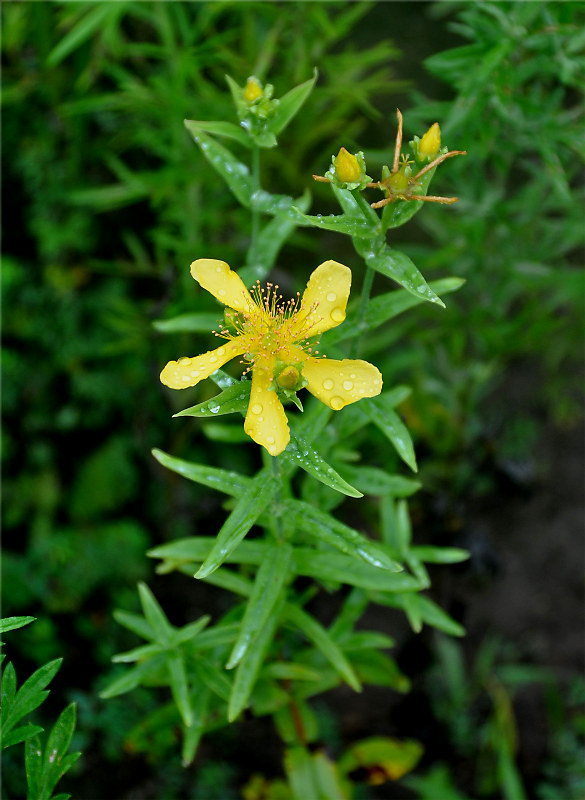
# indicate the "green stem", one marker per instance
pixel 364 299
pixel 255 213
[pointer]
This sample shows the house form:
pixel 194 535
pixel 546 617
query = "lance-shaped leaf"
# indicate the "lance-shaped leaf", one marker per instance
pixel 231 483
pixel 245 513
pixel 219 128
pixel 300 453
pixel 339 568
pixel 11 623
pixel 208 674
pixel 385 307
pixel 249 667
pixel 387 420
pixel 192 735
pixel 289 104
pixel 398 266
pixel 134 623
pixel 200 322
pixel 322 640
pixel 44 769
pixel 342 223
pixel 179 686
pixel 426 609
pixel 154 614
pixel 133 677
pixel 327 529
pixel 232 170
pixel 196 548
pixel 16 704
pixel 440 555
pixel 232 400
pixel 270 579
pixel 378 482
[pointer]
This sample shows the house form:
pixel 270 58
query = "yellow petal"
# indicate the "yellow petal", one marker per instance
pixel 223 283
pixel 325 298
pixel 189 371
pixel 339 383
pixel 266 422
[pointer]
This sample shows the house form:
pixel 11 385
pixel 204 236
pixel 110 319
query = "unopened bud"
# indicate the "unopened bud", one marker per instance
pixel 289 378
pixel 347 167
pixel 252 91
pixel 430 144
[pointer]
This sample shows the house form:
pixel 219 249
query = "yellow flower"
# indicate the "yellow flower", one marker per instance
pixel 347 167
pixel 273 337
pixel 430 144
pixel 252 91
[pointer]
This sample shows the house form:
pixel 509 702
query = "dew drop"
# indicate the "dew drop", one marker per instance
pixel 214 409
pixel 213 359
pixel 256 408
pixel 337 315
pixel 195 373
pixel 337 403
pixel 183 361
pixel 186 378
pixel 376 382
pixel 272 448
pixel 221 351
pixel 347 385
pixel 221 292
pixel 328 384
pixel 270 439
pixel 332 297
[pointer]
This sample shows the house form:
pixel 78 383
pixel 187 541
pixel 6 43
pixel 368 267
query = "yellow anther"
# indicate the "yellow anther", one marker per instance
pixel 347 167
pixel 430 144
pixel 252 91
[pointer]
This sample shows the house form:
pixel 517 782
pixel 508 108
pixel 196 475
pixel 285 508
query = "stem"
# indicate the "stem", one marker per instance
pixel 364 298
pixel 255 213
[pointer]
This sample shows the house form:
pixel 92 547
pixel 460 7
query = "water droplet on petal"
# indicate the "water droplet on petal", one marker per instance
pixel 186 378
pixel 221 292
pixel 195 373
pixel 221 351
pixel 270 439
pixel 347 385
pixel 184 361
pixel 213 359
pixel 337 403
pixel 256 408
pixel 332 297
pixel 337 315
pixel 328 384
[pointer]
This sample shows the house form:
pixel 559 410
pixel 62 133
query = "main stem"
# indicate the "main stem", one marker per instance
pixel 364 298
pixel 255 212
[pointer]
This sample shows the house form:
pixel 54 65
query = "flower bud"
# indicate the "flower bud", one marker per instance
pixel 430 144
pixel 289 378
pixel 252 91
pixel 347 167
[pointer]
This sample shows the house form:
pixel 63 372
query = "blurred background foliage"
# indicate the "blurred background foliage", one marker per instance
pixel 107 201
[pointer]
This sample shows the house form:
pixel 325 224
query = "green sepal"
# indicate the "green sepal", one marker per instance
pixel 387 420
pixel 260 492
pixel 271 577
pixel 399 267
pixel 232 400
pixel 326 528
pixel 231 483
pixel 300 453
pixel 227 129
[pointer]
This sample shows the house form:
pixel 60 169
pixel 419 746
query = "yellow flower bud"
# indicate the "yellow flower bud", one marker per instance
pixel 252 91
pixel 430 144
pixel 289 378
pixel 347 167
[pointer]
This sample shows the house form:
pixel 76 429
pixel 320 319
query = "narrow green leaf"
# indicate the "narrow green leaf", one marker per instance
pixel 372 480
pixel 11 623
pixel 216 680
pixel 300 453
pixel 84 29
pixel 387 306
pixel 33 763
pixel 200 322
pixel 138 653
pixel 196 548
pixel 327 777
pixel 299 772
pixel 289 104
pixel 440 555
pixel 289 671
pixel 31 694
pixel 339 568
pixel 231 483
pixel 155 616
pixel 325 528
pixel 341 223
pixel 388 421
pixel 134 623
pixel 132 677
pixel 215 637
pixel 179 686
pixel 367 640
pixel 192 735
pixel 322 640
pixel 270 579
pixel 190 631
pixel 246 511
pixel 398 266
pixel 234 172
pixel 219 128
pixel 232 400
pixel 20 734
pixel 250 665
pixel 59 740
pixel 8 688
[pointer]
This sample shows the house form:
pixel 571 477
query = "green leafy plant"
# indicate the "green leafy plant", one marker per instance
pixel 46 765
pixel 269 652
